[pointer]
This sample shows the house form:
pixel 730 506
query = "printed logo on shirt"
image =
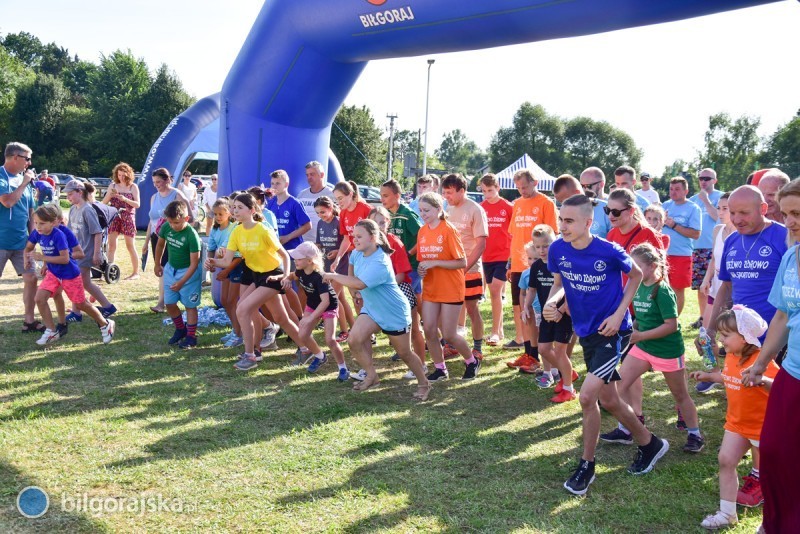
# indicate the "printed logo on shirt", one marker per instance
pixel 600 265
pixel 562 262
pixel 502 213
pixel 732 253
pixel 536 211
pixel 285 213
pixel 765 251
pixel 440 239
pixel 194 298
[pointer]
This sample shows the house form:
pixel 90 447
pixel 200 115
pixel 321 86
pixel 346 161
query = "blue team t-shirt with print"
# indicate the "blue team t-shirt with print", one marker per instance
pixel 592 281
pixel 750 263
pixel 14 221
pixel 384 303
pixel 290 216
pixel 706 239
pixel 687 215
pixel 785 296
pixel 601 225
pixel 52 245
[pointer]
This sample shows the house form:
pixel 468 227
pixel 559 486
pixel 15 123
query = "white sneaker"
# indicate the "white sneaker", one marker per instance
pixel 269 337
pixel 107 331
pixel 48 336
pixel 411 376
pixel 359 376
pixel 271 346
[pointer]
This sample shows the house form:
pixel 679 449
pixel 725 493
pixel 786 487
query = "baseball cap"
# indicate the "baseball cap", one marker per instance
pixel 74 185
pixel 645 176
pixel 306 250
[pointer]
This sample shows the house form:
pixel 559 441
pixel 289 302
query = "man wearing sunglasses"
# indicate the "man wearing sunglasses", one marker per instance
pixel 707 200
pixel 593 180
pixel 567 186
pixel 646 191
pixel 625 178
pixel 683 225
pixel 16 210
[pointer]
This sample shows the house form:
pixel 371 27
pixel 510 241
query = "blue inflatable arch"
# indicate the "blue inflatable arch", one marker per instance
pixel 301 59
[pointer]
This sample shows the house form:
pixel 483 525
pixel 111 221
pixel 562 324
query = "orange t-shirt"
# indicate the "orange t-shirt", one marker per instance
pixel 527 213
pixel 747 406
pixel 441 243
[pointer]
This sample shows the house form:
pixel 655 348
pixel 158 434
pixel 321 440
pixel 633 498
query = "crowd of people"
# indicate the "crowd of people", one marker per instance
pixel 609 272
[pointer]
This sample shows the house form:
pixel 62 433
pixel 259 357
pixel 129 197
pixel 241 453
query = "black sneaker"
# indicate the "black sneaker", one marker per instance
pixel 62 330
pixel 177 336
pixel 438 374
pixel 694 443
pixel 396 357
pixel 680 424
pixel 617 436
pixel 472 370
pixel 578 483
pixel 647 456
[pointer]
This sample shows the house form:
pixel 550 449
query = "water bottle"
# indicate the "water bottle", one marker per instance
pixel 709 361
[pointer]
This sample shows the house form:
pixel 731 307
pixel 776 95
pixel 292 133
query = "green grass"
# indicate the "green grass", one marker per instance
pixel 278 450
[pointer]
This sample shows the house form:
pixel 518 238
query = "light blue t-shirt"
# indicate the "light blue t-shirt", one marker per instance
pixel 785 296
pixel 641 201
pixel 384 303
pixel 706 239
pixel 592 281
pixel 750 263
pixel 219 237
pixel 524 283
pixel 14 221
pixel 687 215
pixel 601 225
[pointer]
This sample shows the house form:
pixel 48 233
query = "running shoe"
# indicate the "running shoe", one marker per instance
pixel 189 342
pixel 301 358
pixel 177 336
pixel 545 381
pixel 73 317
pixel 524 360
pixel 269 336
pixel 647 456
pixel 234 341
pixel 344 375
pixel 246 363
pixel 706 387
pixel 512 344
pixel 694 443
pixel 617 436
pixel 578 483
pixel 560 384
pixel 438 374
pixel 749 494
pixel 108 330
pixel 564 396
pixel 472 370
pixel 62 330
pixel 48 337
pixel 316 363
pixel 359 376
pixel 342 337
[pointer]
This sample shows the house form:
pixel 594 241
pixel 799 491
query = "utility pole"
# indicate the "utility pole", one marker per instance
pixel 427 100
pixel 391 118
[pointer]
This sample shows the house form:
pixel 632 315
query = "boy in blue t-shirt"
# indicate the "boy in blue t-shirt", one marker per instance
pixel 182 277
pixel 588 269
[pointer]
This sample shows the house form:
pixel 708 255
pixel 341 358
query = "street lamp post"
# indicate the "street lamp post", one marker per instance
pixel 427 100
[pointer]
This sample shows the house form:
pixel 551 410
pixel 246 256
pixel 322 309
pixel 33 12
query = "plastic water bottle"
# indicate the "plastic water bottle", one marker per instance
pixel 709 360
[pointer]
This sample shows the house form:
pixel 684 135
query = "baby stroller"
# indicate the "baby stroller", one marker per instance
pixel 110 272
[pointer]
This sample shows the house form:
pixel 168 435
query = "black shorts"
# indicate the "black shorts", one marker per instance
pixel 560 332
pixel 514 279
pixel 262 279
pixel 602 355
pixel 495 269
pixel 153 244
pixel 392 333
pixel 344 265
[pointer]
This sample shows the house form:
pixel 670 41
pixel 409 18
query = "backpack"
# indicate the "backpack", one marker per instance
pixel 105 213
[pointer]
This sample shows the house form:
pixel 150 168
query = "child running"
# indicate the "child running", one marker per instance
pixel 62 272
pixel 658 345
pixel 182 276
pixel 739 330
pixel 384 308
pixel 554 336
pixel 84 223
pixel 441 266
pixel 229 277
pixel 328 239
pixel 321 303
pixel 592 268
pixel 264 259
pixel 76 253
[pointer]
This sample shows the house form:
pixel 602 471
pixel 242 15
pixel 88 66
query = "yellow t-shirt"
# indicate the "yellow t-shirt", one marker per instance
pixel 258 246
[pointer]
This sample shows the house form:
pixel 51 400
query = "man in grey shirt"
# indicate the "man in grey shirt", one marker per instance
pixel 315 174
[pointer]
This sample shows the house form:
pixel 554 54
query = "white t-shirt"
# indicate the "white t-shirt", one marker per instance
pixel 651 195
pixel 209 197
pixel 307 198
pixel 189 191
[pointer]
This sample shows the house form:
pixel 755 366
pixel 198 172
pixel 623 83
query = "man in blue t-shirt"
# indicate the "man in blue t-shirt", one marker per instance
pixel 625 178
pixel 707 200
pixel 588 270
pixel 16 218
pixel 683 226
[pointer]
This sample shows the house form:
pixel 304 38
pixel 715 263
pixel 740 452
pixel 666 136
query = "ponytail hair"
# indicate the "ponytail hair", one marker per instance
pixel 326 202
pixel 436 201
pixel 348 188
pixel 652 256
pixel 250 203
pixel 261 194
pixel 380 238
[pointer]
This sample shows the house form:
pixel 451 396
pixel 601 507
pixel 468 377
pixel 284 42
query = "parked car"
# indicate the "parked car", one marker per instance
pixel 101 184
pixel 369 194
pixel 61 180
pixel 477 197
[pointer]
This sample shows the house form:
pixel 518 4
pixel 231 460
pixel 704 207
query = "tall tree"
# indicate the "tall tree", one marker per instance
pixel 593 143
pixel 13 75
pixel 783 148
pixel 459 153
pixel 731 148
pixel 359 146
pixel 38 113
pixel 25 47
pixel 533 131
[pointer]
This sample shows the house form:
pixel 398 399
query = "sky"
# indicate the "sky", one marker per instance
pixel 658 83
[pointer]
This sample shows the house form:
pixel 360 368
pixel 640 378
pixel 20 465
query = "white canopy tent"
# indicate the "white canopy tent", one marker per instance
pixel 506 176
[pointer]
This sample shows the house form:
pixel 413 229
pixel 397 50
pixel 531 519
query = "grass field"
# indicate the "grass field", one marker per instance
pixel 279 450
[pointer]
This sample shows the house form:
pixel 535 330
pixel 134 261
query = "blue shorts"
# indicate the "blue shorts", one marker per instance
pixel 416 282
pixel 495 269
pixel 189 294
pixel 235 275
pixel 602 354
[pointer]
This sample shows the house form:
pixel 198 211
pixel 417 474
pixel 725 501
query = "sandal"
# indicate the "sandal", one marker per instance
pixel 422 392
pixel 35 326
pixel 718 521
pixel 365 385
pixel 134 276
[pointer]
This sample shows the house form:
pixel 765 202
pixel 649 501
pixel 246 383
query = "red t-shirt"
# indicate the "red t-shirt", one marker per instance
pixel 348 220
pixel 400 261
pixel 630 240
pixel 498 244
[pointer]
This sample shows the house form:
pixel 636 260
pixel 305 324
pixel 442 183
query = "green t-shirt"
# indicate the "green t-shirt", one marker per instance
pixel 650 313
pixel 405 225
pixel 180 245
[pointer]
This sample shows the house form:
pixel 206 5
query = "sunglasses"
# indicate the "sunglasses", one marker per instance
pixel 615 212
pixel 23 157
pixel 705 178
pixel 589 186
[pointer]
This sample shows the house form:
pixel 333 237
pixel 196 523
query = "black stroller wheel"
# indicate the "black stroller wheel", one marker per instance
pixel 112 273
